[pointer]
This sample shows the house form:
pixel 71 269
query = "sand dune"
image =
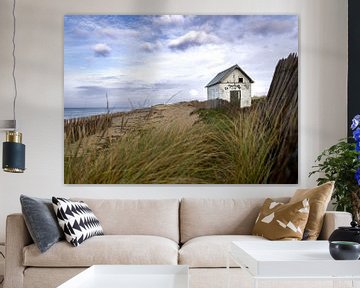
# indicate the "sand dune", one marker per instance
pixel 146 118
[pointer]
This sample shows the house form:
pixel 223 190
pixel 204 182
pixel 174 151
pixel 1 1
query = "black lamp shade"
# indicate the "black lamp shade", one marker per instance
pixel 13 157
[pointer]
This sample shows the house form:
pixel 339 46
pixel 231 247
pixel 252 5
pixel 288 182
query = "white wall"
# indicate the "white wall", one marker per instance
pixel 323 67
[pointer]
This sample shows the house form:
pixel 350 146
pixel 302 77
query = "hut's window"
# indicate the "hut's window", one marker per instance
pixel 241 80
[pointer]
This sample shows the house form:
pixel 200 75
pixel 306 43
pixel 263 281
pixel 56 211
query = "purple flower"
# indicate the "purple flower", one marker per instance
pixel 356 134
pixel 357 176
pixel 355 122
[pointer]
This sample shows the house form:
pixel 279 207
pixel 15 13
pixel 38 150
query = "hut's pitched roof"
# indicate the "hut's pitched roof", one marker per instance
pixel 222 75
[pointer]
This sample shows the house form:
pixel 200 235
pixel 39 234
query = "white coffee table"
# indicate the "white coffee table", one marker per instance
pixel 296 260
pixel 131 276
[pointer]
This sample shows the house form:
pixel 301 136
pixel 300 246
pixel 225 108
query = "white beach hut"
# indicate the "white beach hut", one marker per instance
pixel 232 85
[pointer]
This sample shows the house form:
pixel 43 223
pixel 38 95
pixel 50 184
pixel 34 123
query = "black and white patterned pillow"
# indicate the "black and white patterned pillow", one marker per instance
pixel 77 220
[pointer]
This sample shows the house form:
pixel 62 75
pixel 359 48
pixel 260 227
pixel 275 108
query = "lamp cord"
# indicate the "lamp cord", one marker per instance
pixel 14 60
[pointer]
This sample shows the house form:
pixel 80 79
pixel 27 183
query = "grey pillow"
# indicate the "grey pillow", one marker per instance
pixel 41 221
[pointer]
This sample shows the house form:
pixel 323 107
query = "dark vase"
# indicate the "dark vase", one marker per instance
pixel 343 250
pixel 351 234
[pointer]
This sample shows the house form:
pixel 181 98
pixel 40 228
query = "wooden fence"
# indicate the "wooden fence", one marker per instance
pixel 75 129
pixel 283 100
pixel 284 85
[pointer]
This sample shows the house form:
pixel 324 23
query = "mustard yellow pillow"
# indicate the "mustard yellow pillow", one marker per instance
pixel 279 221
pixel 319 198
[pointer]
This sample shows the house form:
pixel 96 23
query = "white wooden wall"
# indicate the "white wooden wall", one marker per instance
pixel 231 83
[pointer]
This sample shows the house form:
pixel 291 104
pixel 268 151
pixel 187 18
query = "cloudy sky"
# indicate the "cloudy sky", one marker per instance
pixel 146 60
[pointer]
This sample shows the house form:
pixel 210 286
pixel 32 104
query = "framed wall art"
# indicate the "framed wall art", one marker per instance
pixel 180 99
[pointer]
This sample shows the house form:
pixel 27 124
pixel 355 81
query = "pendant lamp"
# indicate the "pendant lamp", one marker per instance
pixel 13 160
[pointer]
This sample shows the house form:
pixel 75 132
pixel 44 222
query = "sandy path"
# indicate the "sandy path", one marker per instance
pixel 157 116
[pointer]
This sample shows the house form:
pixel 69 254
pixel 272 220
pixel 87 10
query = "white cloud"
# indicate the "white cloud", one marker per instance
pixel 101 50
pixel 116 33
pixel 194 92
pixel 266 27
pixel 192 38
pixel 168 65
pixel 149 47
pixel 169 19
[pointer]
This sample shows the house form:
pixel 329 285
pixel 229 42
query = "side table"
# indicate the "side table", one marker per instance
pixel 293 264
pixel 131 276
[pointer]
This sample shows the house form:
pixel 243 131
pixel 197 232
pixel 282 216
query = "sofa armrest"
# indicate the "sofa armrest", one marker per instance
pixel 17 237
pixel 333 220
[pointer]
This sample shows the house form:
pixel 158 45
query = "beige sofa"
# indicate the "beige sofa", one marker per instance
pixel 194 232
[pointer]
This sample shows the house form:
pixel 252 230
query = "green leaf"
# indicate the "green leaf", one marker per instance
pixel 339 163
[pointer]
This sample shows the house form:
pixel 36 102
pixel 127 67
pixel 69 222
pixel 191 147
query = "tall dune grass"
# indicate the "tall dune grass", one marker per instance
pixel 170 154
pixel 257 144
pixel 243 146
pixel 246 144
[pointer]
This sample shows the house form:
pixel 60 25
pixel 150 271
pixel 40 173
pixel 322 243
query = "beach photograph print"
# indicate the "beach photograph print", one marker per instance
pixel 180 99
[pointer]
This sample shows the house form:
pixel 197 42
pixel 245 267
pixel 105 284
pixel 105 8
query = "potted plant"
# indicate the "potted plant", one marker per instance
pixel 341 163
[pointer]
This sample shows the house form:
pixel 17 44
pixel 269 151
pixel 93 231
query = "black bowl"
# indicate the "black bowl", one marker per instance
pixel 344 250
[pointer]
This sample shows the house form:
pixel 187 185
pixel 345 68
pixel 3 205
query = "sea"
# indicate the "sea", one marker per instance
pixel 71 113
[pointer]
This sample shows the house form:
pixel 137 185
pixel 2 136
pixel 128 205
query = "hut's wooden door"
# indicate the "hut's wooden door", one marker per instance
pixel 235 98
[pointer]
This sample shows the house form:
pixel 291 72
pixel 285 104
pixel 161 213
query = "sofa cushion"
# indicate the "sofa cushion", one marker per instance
pixel 279 221
pixel 211 251
pixel 41 221
pixel 35 277
pixel 158 217
pixel 77 220
pixel 319 198
pixel 107 249
pixel 201 217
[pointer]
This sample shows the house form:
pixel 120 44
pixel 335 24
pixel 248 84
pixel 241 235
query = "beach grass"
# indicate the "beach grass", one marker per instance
pixel 226 146
pixel 170 154
pixel 246 144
